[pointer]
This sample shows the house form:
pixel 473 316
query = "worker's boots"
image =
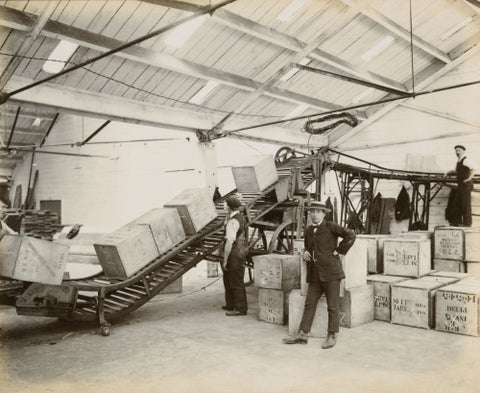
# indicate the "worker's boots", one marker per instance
pixel 299 338
pixel 330 341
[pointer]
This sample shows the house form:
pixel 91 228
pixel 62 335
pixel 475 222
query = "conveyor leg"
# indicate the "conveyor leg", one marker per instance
pixel 104 325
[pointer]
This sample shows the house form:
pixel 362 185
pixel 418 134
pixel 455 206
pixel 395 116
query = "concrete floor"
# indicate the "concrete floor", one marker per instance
pixel 185 343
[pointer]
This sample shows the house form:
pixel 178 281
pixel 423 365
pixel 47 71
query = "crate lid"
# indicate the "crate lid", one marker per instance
pixel 385 278
pixel 441 273
pixel 419 284
pixel 441 279
pixel 459 287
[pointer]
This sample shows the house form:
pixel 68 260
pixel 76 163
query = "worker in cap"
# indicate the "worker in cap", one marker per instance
pixel 234 259
pixel 324 272
pixel 462 200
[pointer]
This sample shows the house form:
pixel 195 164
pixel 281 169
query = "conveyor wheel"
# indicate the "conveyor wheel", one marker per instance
pixel 284 154
pixel 282 239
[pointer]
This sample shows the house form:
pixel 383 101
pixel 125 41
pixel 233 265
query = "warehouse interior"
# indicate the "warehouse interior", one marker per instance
pixel 112 108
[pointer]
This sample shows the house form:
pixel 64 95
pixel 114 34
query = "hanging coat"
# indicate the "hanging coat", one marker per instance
pixel 402 205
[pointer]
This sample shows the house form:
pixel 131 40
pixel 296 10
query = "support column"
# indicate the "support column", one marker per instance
pixel 208 152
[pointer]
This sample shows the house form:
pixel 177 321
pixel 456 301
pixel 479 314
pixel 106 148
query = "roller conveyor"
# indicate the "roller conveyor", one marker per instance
pixel 104 299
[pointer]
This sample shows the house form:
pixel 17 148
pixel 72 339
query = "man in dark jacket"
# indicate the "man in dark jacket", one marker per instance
pixel 324 272
pixel 464 170
pixel 233 265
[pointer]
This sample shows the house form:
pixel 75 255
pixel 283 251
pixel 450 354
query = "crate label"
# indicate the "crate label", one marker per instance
pixel 270 274
pixel 458 313
pixel 381 301
pixel 401 257
pixel 449 244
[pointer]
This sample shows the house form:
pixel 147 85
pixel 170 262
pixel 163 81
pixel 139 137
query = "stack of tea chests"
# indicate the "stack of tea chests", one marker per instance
pixel 410 293
pixel 457 305
pixel 356 306
pixel 275 275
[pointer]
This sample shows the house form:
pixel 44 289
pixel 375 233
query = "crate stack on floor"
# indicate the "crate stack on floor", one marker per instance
pixel 457 308
pixel 282 290
pixel 413 289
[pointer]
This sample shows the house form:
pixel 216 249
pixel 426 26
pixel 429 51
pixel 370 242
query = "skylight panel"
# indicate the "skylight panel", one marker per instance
pixel 362 96
pixel 297 111
pixel 377 49
pixel 203 93
pixel 59 56
pixel 182 33
pixel 456 28
pixel 294 70
pixel 290 10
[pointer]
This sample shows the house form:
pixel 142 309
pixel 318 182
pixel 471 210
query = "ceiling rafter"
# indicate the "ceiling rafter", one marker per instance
pixel 22 131
pixel 298 56
pixel 18 20
pixel 444 115
pixel 272 36
pixel 31 35
pixel 397 30
pixel 102 106
pixel 338 136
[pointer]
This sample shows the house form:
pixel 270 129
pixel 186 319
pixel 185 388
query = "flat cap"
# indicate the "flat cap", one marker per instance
pixel 460 147
pixel 233 202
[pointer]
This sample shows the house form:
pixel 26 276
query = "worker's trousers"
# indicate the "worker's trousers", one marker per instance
pixel 464 202
pixel 315 290
pixel 235 293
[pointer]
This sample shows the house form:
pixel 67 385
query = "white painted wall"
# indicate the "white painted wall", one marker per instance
pixel 132 178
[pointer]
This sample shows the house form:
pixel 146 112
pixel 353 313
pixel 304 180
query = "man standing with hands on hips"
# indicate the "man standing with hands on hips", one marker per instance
pixel 324 272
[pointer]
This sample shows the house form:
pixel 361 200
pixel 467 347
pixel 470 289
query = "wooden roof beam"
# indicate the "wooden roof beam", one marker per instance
pixel 338 136
pixel 272 36
pixel 21 21
pixel 397 30
pixel 68 100
pixel 31 35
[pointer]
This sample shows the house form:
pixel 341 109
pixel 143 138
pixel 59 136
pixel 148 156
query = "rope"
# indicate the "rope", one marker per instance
pixel 345 118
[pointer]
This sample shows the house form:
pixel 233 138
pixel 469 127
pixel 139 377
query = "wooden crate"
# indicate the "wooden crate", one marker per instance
pixel 413 302
pixel 296 303
pixel 166 227
pixel 449 265
pixel 33 260
pixel 273 305
pixel 458 309
pixel 443 273
pixel 462 244
pixel 355 265
pixel 374 251
pixel 382 294
pixel 473 268
pixel 357 306
pixel 277 271
pixel 471 281
pixel 195 208
pixel 124 252
pixel 255 174
pixel 406 257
